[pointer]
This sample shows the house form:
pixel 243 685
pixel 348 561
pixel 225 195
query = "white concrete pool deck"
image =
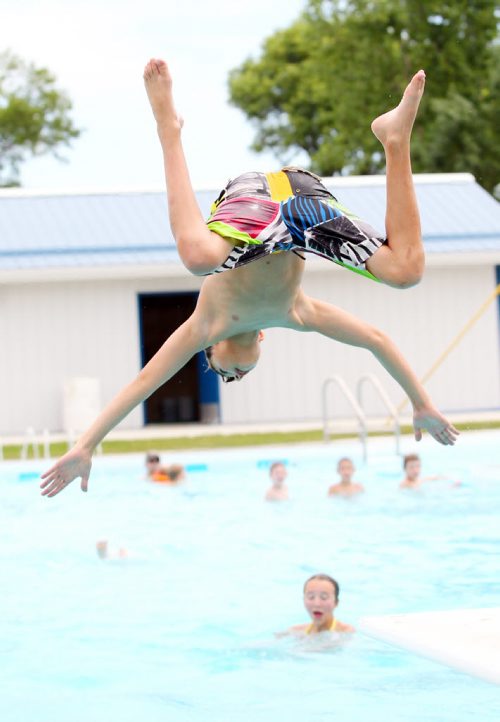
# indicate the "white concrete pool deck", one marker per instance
pixel 465 639
pixel 183 431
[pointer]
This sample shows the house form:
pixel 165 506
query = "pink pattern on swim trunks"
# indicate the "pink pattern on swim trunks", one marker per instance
pixel 249 215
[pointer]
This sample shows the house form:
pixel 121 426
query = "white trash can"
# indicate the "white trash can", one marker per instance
pixel 81 402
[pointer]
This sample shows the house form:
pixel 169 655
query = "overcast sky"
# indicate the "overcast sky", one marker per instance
pixel 97 50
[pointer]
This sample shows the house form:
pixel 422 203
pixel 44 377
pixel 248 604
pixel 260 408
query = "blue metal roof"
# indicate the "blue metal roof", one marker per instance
pixel 131 228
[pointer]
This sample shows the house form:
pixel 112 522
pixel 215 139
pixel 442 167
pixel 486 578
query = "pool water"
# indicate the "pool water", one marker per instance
pixel 184 628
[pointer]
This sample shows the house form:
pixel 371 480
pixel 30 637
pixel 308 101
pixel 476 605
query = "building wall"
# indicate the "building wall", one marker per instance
pixel 423 321
pixel 55 331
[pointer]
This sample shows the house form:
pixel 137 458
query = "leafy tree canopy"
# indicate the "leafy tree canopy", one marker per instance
pixel 33 115
pixel 317 84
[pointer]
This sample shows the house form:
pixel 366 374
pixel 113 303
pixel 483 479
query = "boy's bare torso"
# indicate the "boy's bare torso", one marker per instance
pixel 262 294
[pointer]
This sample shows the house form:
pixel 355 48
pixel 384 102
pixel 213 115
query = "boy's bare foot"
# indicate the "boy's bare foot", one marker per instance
pixel 396 125
pixel 158 84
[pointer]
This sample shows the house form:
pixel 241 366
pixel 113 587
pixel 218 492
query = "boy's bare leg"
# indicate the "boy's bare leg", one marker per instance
pixel 400 262
pixel 200 249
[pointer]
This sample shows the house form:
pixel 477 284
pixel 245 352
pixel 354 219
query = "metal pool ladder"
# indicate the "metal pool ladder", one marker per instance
pixel 357 407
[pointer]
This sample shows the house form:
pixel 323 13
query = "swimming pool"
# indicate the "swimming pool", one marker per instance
pixel 184 628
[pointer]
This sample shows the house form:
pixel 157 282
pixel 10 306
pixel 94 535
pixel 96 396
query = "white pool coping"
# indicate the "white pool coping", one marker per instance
pixel 465 639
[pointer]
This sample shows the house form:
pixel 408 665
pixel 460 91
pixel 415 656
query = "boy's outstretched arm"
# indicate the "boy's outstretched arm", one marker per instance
pixel 172 356
pixel 341 326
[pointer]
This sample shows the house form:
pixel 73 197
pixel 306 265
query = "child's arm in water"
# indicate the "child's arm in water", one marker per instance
pixel 172 356
pixel 341 326
pixel 298 630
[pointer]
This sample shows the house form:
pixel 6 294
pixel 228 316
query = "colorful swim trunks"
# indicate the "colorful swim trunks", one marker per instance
pixel 291 210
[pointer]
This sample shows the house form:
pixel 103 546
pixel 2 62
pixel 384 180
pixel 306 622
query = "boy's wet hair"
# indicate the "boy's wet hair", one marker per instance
pixel 325 578
pixel 152 457
pixel 208 351
pixel 408 458
pixel 208 355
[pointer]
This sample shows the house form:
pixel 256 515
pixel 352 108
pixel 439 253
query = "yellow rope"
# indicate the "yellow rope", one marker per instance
pixel 437 363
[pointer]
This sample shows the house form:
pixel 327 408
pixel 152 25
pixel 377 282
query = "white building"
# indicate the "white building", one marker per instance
pixel 90 286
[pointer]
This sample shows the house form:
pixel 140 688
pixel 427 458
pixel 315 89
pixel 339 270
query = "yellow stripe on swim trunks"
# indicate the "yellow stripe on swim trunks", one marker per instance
pixel 279 185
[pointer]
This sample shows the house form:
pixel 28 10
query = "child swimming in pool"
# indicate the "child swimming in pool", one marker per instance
pixel 260 227
pixel 412 467
pixel 104 552
pixel 346 487
pixel 321 597
pixel 278 491
pixel 161 473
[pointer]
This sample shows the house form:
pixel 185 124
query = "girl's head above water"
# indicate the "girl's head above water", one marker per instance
pixel 324 578
pixel 321 596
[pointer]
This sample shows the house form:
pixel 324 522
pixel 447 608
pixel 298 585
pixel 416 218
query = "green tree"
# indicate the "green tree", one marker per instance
pixel 317 84
pixel 33 115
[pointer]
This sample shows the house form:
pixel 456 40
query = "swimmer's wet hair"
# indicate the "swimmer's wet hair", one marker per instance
pixel 325 578
pixel 408 458
pixel 208 355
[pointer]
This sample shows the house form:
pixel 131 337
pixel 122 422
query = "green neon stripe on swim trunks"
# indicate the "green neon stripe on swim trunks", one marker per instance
pixel 345 211
pixel 361 271
pixel 231 233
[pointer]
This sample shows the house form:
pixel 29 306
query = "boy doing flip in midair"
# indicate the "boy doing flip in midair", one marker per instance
pixel 251 250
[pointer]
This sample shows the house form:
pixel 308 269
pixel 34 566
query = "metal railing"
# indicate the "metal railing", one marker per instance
pixel 341 384
pixel 391 409
pixel 35 441
pixel 357 407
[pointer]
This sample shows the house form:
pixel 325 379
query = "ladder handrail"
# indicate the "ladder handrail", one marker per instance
pixel 339 381
pixel 378 386
pixel 391 409
pixel 357 406
pixel 30 439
